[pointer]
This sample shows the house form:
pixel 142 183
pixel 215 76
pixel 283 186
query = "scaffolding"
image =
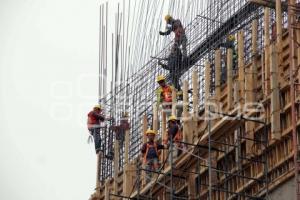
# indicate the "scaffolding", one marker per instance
pixel 233 156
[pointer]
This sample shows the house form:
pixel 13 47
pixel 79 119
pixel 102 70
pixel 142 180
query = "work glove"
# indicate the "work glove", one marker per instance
pixel 161 33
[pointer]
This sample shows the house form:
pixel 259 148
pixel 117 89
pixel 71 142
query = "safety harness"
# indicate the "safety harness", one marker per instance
pixel 154 145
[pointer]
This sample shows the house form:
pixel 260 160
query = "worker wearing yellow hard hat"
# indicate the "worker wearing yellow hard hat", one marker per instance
pixel 174 136
pixel 164 92
pixel 150 154
pixel 95 117
pixel 172 118
pixel 175 25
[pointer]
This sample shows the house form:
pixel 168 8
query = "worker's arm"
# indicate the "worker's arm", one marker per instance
pixel 158 96
pixel 160 146
pixel 98 116
pixel 169 30
pixel 166 32
pixel 144 147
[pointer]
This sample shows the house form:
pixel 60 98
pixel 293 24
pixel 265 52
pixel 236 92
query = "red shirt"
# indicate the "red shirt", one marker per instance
pixel 94 119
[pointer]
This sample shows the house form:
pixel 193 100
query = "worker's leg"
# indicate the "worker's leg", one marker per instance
pixel 148 167
pixel 183 42
pixel 97 139
pixel 155 164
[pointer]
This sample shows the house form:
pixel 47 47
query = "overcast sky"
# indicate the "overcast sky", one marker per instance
pixel 48 64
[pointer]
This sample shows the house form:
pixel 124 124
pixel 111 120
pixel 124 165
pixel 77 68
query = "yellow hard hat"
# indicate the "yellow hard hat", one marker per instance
pixel 168 17
pixel 172 118
pixel 231 37
pixel 150 131
pixel 97 106
pixel 125 114
pixel 160 78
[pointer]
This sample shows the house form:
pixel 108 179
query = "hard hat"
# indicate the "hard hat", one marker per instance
pixel 160 78
pixel 168 17
pixel 150 131
pixel 172 118
pixel 97 106
pixel 231 37
pixel 125 114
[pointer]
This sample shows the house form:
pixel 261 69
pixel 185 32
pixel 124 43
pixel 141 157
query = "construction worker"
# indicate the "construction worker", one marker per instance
pixel 229 43
pixel 121 128
pixel 174 136
pixel 150 153
pixel 175 25
pixel 95 117
pixel 164 93
pixel 174 66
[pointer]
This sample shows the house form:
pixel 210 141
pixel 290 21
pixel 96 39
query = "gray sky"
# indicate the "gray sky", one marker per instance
pixel 48 68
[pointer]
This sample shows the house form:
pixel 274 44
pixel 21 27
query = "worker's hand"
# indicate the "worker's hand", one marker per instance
pixel 161 33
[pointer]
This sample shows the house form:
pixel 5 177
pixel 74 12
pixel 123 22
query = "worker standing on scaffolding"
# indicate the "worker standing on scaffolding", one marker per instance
pixel 180 39
pixel 174 65
pixel 174 137
pixel 95 117
pixel 150 154
pixel 164 94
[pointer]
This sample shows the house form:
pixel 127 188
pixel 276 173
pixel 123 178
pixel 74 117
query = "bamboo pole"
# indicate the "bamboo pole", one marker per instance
pixel 266 67
pixel 229 80
pixel 241 66
pixel 218 74
pixel 275 106
pixel 254 60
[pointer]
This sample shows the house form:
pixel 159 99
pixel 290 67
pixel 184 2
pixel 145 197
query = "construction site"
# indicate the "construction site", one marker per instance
pixel 238 113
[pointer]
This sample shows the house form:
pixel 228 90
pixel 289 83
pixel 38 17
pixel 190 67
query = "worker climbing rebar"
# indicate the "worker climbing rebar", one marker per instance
pixel 174 66
pixel 95 117
pixel 150 153
pixel 180 39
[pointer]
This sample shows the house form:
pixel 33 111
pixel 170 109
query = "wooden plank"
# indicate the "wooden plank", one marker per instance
pixel 195 83
pixel 241 66
pixel 207 85
pixel 126 148
pixel 218 74
pixel 229 81
pixel 266 52
pixel 155 117
pixel 128 178
pixel 116 166
pixel 275 104
pixel 191 186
